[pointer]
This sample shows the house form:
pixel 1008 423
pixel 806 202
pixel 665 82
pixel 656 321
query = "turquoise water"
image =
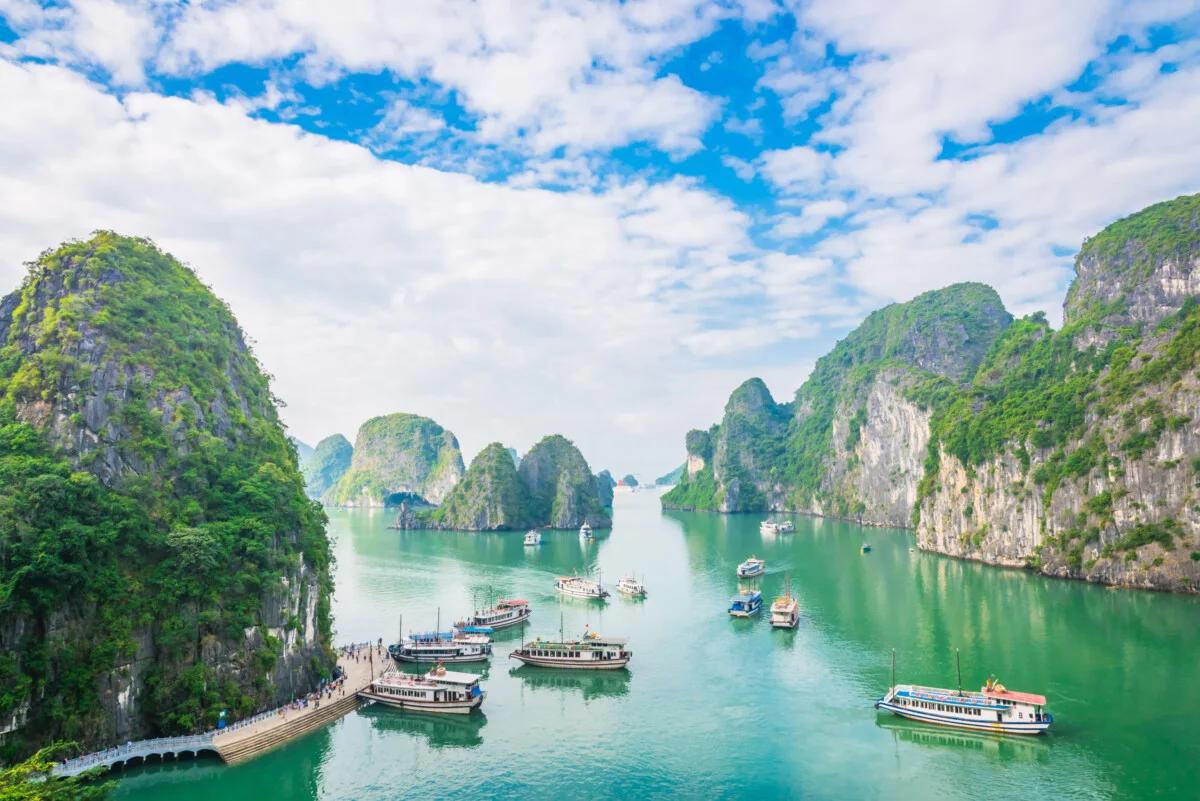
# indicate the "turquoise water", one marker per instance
pixel 716 707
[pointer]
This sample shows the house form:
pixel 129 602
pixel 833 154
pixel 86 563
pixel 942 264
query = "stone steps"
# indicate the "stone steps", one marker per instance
pixel 250 747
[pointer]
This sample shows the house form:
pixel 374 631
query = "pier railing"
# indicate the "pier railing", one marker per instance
pixel 183 744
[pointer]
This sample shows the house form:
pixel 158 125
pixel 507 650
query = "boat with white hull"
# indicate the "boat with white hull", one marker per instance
pixel 533 538
pixel 785 611
pixel 591 652
pixel 507 612
pixel 995 708
pixel 580 587
pixel 751 568
pixel 442 646
pixel 632 587
pixel 439 690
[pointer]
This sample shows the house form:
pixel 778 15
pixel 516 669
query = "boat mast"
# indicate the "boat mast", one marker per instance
pixel 893 669
pixel 561 638
pixel 958 660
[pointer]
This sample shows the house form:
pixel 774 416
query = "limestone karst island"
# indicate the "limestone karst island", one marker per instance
pixel 599 399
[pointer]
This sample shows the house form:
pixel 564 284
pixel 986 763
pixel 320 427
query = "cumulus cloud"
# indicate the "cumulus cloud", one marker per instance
pixel 372 286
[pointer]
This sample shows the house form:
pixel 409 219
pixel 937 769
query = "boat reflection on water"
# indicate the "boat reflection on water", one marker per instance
pixel 592 684
pixel 442 731
pixel 1006 747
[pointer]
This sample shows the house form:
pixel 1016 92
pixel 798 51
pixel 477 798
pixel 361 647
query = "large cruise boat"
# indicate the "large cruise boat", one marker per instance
pixel 507 612
pixel 442 646
pixel 580 587
pixel 439 690
pixel 591 652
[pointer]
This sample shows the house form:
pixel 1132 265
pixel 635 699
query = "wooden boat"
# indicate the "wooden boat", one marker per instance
pixel 785 611
pixel 580 587
pixel 590 652
pixel 507 612
pixel 439 690
pixel 632 587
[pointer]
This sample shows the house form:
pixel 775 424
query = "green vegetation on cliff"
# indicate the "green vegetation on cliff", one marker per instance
pixel 490 497
pixel 399 454
pixel 326 465
pixel 149 501
pixel 938 336
pixel 562 489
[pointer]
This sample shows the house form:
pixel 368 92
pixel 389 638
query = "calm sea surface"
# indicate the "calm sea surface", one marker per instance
pixel 716 707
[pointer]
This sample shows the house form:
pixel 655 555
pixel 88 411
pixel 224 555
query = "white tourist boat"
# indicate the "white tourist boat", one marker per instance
pixel 591 652
pixel 994 708
pixel 768 528
pixel 632 587
pixel 585 531
pixel 785 611
pixel 580 587
pixel 533 538
pixel 507 612
pixel 751 567
pixel 442 646
pixel 785 526
pixel 439 690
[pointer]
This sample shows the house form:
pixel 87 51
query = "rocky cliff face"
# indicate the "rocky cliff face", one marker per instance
pixel 1072 452
pixel 491 496
pixel 1095 474
pixel 396 456
pixel 561 486
pixel 326 465
pixel 852 442
pixel 160 561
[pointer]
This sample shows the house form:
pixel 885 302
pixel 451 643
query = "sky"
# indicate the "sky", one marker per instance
pixel 585 217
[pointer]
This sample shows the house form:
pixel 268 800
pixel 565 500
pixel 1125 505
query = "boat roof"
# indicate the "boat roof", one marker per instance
pixel 429 636
pixel 452 677
pixel 944 696
pixel 1020 698
pixel 540 643
pixel 746 596
pixel 512 602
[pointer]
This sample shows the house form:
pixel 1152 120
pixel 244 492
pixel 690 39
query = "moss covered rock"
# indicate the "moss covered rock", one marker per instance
pixel 396 456
pixel 326 465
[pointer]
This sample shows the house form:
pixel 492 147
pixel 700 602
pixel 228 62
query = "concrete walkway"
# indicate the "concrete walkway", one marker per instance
pixel 248 738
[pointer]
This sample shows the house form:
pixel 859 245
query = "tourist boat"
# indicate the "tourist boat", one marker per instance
pixel 507 612
pixel 580 587
pixel 785 611
pixel 632 587
pixel 439 690
pixel 591 652
pixel 745 603
pixel 442 646
pixel 585 531
pixel 751 567
pixel 994 708
pixel 769 527
pixel 533 538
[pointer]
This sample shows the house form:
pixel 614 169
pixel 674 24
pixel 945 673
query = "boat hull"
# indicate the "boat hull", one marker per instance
pixel 425 658
pixel 443 707
pixel 571 664
pixel 745 612
pixel 502 624
pixel 996 727
pixel 584 595
pixel 785 623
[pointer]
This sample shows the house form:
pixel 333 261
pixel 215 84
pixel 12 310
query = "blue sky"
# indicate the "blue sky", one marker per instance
pixel 579 216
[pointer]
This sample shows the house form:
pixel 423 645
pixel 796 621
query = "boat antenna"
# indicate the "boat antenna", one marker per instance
pixel 438 628
pixel 958 660
pixel 893 669
pixel 401 640
pixel 561 638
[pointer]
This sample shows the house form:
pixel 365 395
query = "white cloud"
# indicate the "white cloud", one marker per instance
pixel 372 286
pixel 795 169
pixel 403 121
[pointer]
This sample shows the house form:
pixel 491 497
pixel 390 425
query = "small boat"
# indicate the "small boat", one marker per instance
pixel 865 548
pixel 768 528
pixel 439 690
pixel 585 531
pixel 533 538
pixel 786 526
pixel 785 611
pixel 632 587
pixel 751 567
pixel 745 603
pixel 442 646
pixel 994 708
pixel 580 587
pixel 591 652
pixel 507 612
